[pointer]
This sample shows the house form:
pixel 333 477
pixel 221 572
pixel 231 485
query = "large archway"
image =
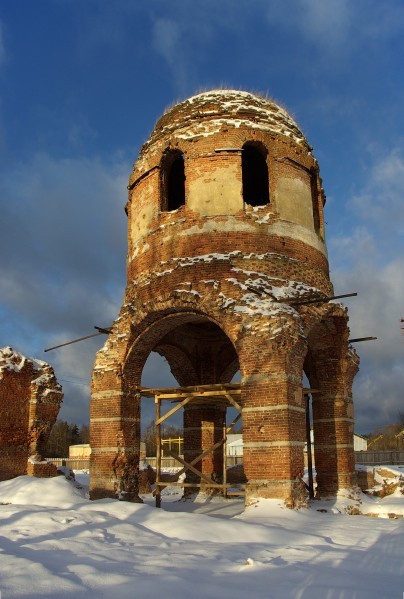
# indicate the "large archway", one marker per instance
pixel 198 352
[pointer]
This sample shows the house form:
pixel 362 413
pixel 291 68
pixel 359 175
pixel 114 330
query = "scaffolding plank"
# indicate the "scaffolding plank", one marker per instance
pixel 158 453
pixel 197 389
pixel 233 402
pixel 190 485
pixel 173 410
pixel 189 466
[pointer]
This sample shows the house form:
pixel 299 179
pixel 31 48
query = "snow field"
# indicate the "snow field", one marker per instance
pixel 55 543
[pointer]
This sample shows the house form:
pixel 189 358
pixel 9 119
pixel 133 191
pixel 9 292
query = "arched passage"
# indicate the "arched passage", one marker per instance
pixel 198 352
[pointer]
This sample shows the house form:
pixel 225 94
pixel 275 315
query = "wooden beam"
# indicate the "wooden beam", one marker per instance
pixel 319 300
pixel 308 441
pixel 362 339
pixel 203 391
pixel 197 485
pixel 202 455
pixel 105 330
pixel 158 452
pixel 74 341
pixel 196 394
pixel 173 410
pixel 233 423
pixel 101 331
pixel 233 402
pixel 189 466
pixel 169 391
pixel 311 391
pixel 213 447
pixel 224 476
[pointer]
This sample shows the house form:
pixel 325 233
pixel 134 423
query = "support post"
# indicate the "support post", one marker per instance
pixel 309 455
pixel 158 450
pixel 224 477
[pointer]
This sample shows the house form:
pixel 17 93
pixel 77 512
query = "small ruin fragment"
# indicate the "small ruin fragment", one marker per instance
pixel 30 399
pixel 227 270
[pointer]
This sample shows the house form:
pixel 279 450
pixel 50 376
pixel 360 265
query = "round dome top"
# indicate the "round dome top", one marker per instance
pixel 206 113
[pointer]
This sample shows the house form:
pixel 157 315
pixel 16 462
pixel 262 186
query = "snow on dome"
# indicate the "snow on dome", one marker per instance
pixel 205 113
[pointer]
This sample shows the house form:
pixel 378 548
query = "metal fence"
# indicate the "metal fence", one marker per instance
pixel 375 458
pixel 366 458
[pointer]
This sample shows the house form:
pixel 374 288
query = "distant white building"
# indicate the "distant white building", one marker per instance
pixel 360 443
pixel 80 451
pixel 234 447
pixel 235 444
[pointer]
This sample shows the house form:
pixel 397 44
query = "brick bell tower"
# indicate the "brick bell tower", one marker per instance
pixel 225 237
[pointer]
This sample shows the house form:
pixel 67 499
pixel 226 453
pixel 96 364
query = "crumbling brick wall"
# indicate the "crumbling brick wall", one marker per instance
pixel 30 398
pixel 211 279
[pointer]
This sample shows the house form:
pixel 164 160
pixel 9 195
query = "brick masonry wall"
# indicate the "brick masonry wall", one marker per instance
pixel 205 289
pixel 30 398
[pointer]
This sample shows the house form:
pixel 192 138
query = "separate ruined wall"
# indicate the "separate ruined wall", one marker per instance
pixel 30 399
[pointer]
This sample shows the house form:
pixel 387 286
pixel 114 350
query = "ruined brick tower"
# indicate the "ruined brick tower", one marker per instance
pixel 225 235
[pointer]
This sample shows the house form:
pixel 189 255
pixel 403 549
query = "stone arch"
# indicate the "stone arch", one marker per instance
pixel 192 343
pixel 172 173
pixel 166 333
pixel 255 174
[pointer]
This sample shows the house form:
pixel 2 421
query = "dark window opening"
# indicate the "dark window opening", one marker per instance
pixel 173 181
pixel 315 202
pixel 255 176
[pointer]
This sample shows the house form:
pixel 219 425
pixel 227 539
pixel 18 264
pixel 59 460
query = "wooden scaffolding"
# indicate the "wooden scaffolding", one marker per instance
pixel 225 394
pixel 218 394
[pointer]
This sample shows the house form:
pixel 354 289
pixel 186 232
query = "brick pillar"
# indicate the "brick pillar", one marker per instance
pixel 333 420
pixel 203 427
pixel 273 419
pixel 114 436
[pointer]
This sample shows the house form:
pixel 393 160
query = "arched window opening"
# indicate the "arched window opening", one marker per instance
pixel 173 181
pixel 255 175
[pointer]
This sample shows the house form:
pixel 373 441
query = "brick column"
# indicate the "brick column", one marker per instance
pixel 114 436
pixel 333 421
pixel 273 420
pixel 203 427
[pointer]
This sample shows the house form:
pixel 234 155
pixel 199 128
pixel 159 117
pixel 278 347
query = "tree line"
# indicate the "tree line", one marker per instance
pixel 149 435
pixel 64 434
pixel 388 437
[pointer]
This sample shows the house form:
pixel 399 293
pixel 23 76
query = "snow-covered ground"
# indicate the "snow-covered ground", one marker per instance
pixel 55 543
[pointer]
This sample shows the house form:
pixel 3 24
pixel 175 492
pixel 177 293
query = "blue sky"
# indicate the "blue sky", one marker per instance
pixel 82 83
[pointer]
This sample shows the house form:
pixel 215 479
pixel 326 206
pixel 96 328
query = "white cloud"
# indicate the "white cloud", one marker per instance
pixel 166 37
pixel 369 259
pixel 326 24
pixel 169 41
pixel 379 386
pixel 382 199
